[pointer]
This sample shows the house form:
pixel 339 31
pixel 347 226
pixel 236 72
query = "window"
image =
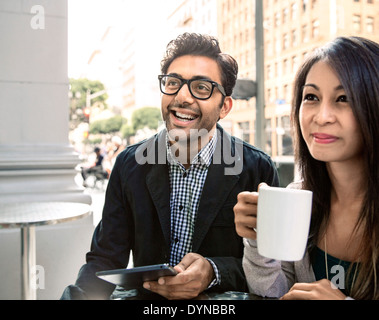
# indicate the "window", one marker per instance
pixel 357 23
pixel 283 131
pixel 294 11
pixel 285 15
pixel 269 72
pixel 286 42
pixel 315 29
pixel 304 32
pixel 270 95
pixel 294 38
pixel 277 19
pixel 268 129
pixel 244 128
pixel 305 4
pixel 287 93
pixel 286 68
pixel 295 62
pixel 370 25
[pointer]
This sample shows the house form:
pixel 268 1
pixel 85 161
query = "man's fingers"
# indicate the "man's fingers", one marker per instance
pixel 188 260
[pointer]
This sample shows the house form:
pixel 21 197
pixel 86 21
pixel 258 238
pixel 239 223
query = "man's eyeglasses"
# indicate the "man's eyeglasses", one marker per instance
pixel 201 89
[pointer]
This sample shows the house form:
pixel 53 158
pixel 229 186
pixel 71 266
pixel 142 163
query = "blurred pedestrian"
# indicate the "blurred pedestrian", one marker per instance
pixel 93 168
pixel 116 148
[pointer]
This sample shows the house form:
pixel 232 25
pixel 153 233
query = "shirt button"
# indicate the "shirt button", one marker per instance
pixel 185 175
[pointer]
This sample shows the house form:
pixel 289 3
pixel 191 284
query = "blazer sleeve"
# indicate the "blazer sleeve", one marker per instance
pixel 111 244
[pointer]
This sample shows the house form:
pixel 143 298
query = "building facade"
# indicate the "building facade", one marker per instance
pixel 236 32
pixel 193 16
pixel 292 28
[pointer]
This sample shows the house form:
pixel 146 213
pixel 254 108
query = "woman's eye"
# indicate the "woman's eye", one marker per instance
pixel 310 97
pixel 342 98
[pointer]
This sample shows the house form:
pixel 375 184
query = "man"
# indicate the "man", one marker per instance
pixel 117 147
pixel 170 199
pixel 95 167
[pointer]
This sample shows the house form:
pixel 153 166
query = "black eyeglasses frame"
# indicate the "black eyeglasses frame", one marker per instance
pixel 188 82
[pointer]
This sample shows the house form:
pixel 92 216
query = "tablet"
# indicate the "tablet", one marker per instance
pixel 133 278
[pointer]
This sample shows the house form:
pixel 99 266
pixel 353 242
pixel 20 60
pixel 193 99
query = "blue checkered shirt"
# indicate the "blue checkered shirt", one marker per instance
pixel 186 186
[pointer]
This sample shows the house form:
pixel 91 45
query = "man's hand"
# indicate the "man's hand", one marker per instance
pixel 195 273
pixel 319 290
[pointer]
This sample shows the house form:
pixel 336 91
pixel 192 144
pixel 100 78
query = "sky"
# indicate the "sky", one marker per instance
pixel 87 20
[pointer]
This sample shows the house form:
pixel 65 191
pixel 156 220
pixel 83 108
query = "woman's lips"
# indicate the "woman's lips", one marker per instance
pixel 324 138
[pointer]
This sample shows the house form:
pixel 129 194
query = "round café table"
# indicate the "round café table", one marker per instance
pixel 28 215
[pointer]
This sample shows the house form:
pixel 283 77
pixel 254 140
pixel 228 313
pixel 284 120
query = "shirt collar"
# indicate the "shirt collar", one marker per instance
pixel 203 157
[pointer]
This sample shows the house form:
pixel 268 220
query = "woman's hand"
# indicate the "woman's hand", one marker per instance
pixel 245 214
pixel 319 290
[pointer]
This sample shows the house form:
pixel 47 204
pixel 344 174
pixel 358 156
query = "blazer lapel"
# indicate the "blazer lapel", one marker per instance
pixel 216 189
pixel 158 184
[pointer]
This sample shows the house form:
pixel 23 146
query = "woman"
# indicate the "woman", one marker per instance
pixel 335 117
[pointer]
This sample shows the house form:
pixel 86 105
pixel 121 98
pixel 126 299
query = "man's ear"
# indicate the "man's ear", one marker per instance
pixel 226 107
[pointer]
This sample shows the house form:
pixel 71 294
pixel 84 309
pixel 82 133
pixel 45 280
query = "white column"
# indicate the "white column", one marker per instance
pixel 36 160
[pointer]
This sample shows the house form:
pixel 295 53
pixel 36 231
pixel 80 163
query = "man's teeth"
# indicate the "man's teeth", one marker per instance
pixel 184 116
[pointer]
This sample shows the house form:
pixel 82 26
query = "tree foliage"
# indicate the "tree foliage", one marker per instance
pixel 78 89
pixel 110 125
pixel 146 117
pixel 78 96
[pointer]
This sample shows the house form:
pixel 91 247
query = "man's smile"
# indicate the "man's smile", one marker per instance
pixel 184 116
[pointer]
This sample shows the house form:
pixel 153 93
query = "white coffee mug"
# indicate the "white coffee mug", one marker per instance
pixel 283 221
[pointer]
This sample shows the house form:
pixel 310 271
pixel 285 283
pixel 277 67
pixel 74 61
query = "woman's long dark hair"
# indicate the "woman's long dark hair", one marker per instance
pixel 356 62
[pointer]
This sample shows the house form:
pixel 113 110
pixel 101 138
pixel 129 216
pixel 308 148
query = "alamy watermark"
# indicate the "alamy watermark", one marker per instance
pixel 338 281
pixel 185 146
pixel 37 277
pixel 38 20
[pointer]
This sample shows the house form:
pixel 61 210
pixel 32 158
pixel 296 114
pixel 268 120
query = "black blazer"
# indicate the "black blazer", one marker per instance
pixel 136 215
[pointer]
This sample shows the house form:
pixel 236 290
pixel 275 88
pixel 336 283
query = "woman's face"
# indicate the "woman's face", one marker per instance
pixel 327 122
